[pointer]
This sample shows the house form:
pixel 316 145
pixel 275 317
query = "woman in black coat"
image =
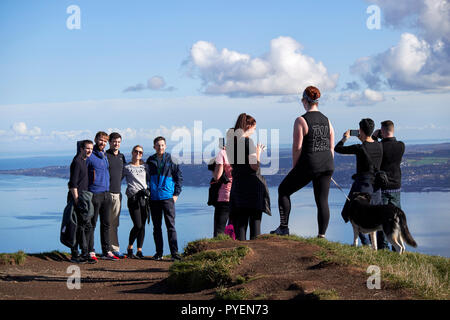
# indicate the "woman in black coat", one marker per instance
pixel 249 196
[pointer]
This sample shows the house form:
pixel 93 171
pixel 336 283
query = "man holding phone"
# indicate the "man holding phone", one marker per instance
pixel 364 176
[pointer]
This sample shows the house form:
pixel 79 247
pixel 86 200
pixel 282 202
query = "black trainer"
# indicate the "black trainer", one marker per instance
pixel 157 256
pixel 139 255
pixel 176 257
pixel 130 254
pixel 281 231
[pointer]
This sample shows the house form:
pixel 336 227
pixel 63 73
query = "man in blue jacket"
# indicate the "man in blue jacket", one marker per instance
pixel 165 187
pixel 99 180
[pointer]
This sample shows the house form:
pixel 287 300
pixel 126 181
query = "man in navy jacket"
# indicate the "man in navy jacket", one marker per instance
pixel 99 180
pixel 165 187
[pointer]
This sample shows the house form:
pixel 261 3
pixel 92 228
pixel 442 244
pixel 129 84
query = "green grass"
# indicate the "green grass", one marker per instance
pixel 426 275
pixel 205 269
pixel 325 294
pixel 18 258
pixel 232 294
pixel 199 245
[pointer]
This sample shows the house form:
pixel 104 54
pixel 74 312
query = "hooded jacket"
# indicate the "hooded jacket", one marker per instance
pixel 165 180
pixel 98 172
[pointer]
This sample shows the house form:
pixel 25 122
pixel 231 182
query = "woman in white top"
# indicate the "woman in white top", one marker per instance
pixel 136 175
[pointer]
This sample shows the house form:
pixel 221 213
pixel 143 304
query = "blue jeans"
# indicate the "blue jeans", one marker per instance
pixel 394 198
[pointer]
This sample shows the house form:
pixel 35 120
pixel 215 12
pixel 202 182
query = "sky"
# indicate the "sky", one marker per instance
pixel 146 68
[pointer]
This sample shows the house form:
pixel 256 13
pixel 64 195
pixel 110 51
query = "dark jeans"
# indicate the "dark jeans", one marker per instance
pixel 392 197
pixel 221 215
pixel 296 179
pixel 83 229
pixel 102 207
pixel 158 208
pixel 138 217
pixel 242 218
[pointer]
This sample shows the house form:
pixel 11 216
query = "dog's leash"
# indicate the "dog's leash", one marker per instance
pixel 337 185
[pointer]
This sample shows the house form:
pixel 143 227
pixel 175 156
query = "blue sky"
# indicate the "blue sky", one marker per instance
pixel 148 67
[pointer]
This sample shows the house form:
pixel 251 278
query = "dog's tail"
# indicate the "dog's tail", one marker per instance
pixel 405 231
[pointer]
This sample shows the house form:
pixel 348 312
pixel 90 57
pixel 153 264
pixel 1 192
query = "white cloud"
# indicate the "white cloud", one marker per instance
pixel 20 128
pixel 416 62
pixel 156 83
pixel 284 70
pixel 364 98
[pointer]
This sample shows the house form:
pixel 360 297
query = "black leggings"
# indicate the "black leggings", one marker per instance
pixel 241 218
pixel 296 179
pixel 138 217
pixel 221 215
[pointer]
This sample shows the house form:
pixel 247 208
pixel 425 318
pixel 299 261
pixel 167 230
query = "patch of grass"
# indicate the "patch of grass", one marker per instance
pixel 200 245
pixel 206 269
pixel 326 294
pixel 426 275
pixel 232 294
pixel 18 258
pixel 54 255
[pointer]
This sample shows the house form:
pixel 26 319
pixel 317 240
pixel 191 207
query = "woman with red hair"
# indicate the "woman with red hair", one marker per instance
pixel 312 160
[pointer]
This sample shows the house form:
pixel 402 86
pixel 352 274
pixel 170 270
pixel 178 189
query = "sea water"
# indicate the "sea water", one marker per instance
pixel 31 209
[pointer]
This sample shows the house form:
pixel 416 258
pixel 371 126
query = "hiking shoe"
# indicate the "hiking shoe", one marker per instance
pixel 118 254
pixel 93 256
pixel 176 257
pixel 139 255
pixel 91 260
pixel 109 256
pixel 321 236
pixel 281 231
pixel 78 259
pixel 157 256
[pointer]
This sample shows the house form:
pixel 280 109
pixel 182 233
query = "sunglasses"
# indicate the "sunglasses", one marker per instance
pixel 138 151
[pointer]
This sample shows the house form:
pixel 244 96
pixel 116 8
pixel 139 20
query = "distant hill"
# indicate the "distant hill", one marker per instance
pixel 424 168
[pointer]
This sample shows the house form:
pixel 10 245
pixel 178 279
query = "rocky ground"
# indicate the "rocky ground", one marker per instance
pixel 276 269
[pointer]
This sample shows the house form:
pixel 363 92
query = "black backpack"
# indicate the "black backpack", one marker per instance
pixel 381 179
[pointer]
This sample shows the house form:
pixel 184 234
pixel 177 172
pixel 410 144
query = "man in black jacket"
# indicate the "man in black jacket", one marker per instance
pixel 393 151
pixel 78 184
pixel 116 161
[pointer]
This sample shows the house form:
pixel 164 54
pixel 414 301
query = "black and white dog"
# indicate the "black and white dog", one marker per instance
pixel 367 218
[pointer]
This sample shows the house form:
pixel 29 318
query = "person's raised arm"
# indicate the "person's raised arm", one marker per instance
pixel 340 148
pixel 297 139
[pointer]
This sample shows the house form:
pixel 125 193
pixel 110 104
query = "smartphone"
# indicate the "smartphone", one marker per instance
pixel 354 133
pixel 221 143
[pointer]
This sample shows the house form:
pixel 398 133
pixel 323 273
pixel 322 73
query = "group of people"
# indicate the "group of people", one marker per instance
pixel 244 196
pixel 154 186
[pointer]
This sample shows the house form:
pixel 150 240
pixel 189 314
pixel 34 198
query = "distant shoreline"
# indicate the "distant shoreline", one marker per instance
pixel 425 168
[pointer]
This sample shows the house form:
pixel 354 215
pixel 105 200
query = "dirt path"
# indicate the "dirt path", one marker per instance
pixel 278 269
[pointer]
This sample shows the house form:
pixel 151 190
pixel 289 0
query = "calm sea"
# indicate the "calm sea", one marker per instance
pixel 31 210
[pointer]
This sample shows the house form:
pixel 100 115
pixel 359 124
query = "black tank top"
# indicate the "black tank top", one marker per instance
pixel 316 152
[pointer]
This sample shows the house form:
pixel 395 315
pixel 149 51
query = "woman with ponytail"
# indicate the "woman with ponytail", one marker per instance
pixel 312 160
pixel 249 194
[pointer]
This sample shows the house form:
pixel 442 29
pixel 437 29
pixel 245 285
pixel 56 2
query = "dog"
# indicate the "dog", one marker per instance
pixel 367 218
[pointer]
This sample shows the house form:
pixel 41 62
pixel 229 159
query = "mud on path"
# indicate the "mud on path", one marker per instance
pixel 276 269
